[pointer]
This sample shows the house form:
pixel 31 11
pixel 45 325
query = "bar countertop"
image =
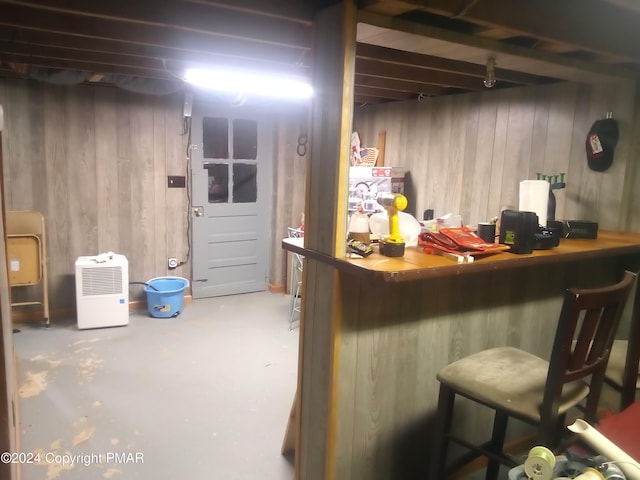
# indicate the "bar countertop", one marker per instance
pixel 416 264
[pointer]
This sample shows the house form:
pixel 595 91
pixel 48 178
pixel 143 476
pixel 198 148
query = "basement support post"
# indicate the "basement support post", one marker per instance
pixel 325 231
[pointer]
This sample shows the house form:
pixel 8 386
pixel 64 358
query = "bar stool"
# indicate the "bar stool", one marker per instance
pixel 624 361
pixel 515 383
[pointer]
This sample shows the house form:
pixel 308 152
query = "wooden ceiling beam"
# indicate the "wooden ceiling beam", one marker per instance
pixel 154 66
pixel 147 38
pixel 29 41
pixel 384 93
pixel 400 85
pixel 365 99
pixel 555 47
pixel 107 60
pixel 579 23
pixel 303 12
pixel 571 65
pixel 63 64
pixel 421 75
pixel 62 23
pixel 494 33
pixel 391 8
pixel 191 17
pixel 390 55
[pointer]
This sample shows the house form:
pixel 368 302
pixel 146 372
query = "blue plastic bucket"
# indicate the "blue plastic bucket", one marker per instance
pixel 165 296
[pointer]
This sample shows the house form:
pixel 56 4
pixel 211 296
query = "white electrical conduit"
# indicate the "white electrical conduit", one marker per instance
pixel 606 448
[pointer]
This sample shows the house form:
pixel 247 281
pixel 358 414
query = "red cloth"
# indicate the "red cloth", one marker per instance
pixel 623 429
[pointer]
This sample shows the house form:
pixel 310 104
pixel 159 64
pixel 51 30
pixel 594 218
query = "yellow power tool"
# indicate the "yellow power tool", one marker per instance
pixel 393 244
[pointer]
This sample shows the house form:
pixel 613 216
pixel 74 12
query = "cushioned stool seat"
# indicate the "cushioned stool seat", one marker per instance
pixel 510 379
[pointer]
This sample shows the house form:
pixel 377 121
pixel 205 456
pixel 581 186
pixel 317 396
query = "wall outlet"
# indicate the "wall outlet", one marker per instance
pixel 172 262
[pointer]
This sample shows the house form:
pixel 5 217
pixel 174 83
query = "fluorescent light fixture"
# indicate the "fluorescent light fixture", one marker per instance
pixel 279 86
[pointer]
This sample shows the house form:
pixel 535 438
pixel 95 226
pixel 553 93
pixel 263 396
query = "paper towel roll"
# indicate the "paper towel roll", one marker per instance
pixel 534 197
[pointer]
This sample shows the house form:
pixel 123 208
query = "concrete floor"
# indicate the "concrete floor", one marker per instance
pixel 203 396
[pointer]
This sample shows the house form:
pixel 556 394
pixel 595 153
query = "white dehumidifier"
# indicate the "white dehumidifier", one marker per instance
pixel 102 291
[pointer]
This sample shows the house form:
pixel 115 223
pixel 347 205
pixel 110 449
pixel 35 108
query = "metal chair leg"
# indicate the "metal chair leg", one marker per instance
pixel 295 304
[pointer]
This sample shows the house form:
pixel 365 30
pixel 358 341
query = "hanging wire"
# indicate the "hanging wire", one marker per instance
pixel 187 130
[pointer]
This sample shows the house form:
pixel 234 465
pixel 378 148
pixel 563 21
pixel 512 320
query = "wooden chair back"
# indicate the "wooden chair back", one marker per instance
pixel 586 328
pixel 632 361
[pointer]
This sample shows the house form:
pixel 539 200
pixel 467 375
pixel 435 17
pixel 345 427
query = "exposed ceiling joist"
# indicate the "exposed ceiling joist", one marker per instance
pixel 538 62
pixel 385 93
pixel 401 85
pixel 158 46
pixel 406 49
pixel 422 75
pixel 302 11
pixel 394 56
pixel 89 66
pixel 572 22
pixel 187 16
pixel 158 61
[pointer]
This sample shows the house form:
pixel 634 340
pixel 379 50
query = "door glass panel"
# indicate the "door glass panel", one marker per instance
pixel 215 137
pixel 245 187
pixel 245 139
pixel 218 179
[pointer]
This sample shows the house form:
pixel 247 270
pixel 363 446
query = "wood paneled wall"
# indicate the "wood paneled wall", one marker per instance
pixel 289 184
pixel 468 153
pixel 95 160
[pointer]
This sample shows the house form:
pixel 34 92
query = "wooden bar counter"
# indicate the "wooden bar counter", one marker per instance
pixel 416 265
pixel 366 411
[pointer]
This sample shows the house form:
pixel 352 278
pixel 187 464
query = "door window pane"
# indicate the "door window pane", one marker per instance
pixel 245 187
pixel 245 139
pixel 215 137
pixel 218 179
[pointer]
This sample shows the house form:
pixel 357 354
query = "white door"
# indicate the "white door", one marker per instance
pixel 231 175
